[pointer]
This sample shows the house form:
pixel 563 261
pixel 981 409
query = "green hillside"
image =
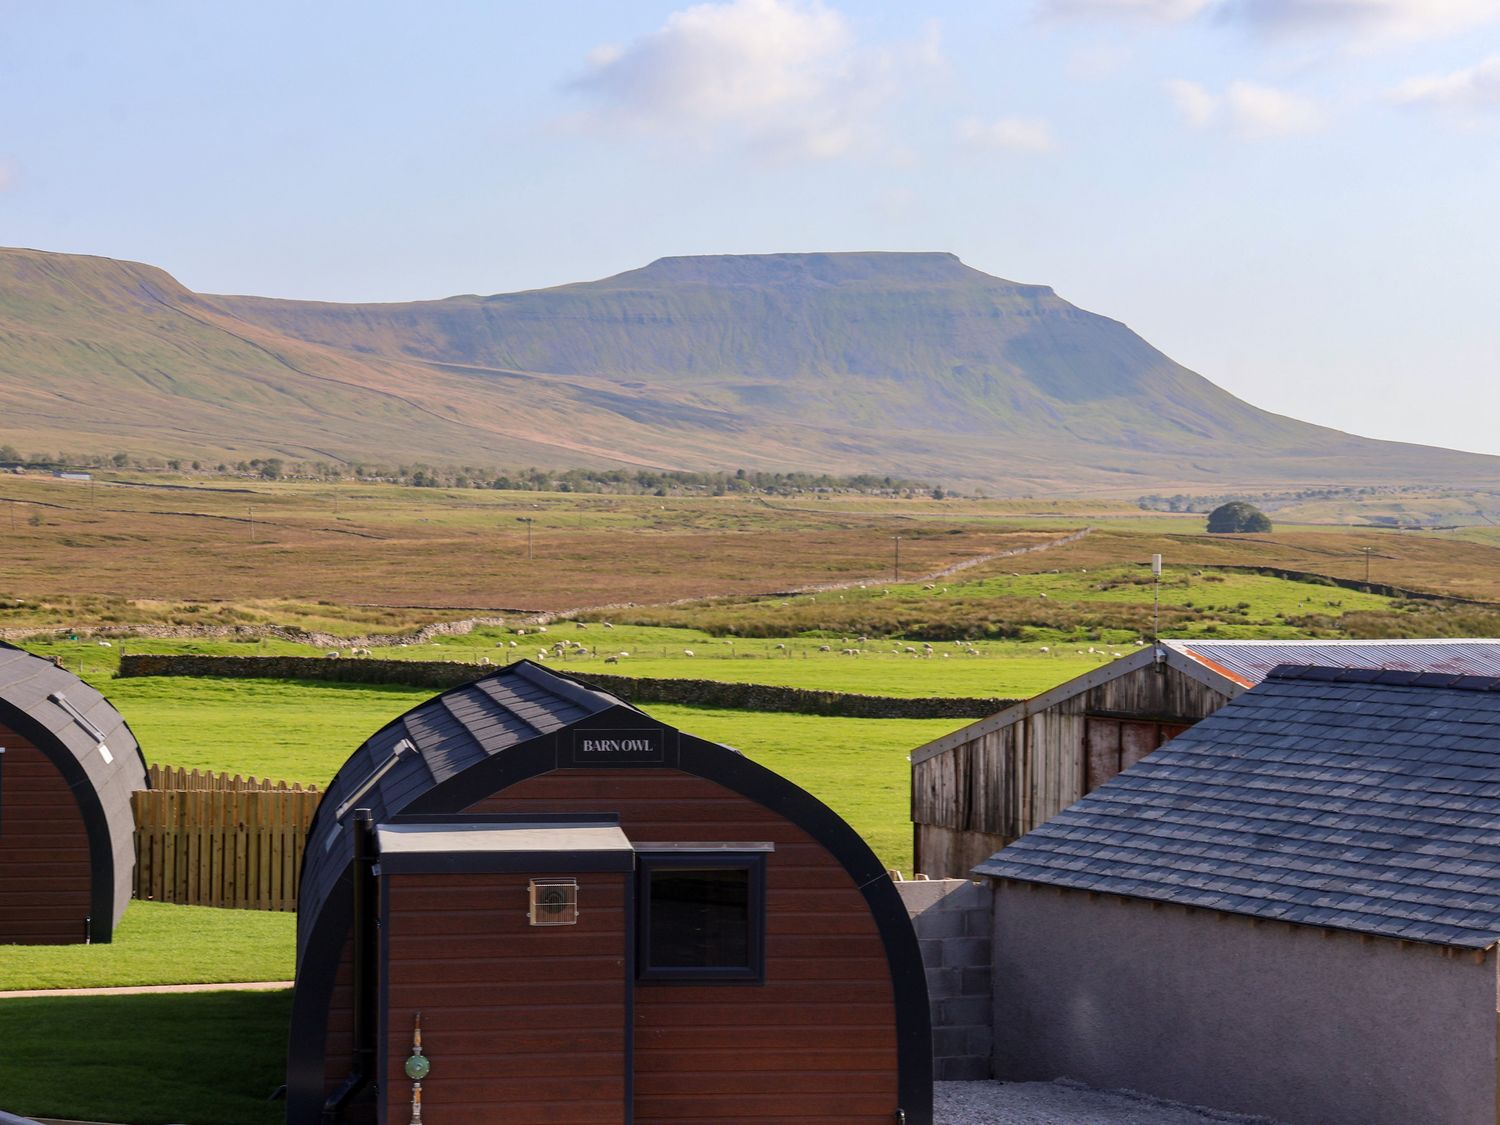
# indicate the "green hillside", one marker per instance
pixel 889 363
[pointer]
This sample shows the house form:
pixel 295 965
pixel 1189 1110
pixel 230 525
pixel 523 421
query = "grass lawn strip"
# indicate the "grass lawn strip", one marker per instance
pixel 160 943
pixel 211 1058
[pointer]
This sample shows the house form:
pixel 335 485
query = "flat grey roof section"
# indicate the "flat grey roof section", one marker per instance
pixel 431 839
pixel 1352 799
pixel 1249 662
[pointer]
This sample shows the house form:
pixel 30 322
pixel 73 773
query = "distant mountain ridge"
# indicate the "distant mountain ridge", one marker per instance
pixel 885 362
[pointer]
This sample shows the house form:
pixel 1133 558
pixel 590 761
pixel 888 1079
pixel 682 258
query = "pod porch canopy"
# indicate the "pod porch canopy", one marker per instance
pixel 736 951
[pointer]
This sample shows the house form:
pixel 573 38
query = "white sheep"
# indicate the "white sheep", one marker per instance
pixel 331 655
pixel 1044 648
pixel 687 652
pixel 105 644
pixel 607 625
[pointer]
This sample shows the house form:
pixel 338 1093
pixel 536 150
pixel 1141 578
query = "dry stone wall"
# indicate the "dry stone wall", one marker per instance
pixel 445 674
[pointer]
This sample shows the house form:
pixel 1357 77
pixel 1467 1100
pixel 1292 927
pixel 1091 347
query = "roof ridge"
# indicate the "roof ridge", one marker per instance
pixel 1386 677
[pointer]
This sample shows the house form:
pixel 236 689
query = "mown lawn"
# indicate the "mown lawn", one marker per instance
pixel 160 943
pixel 208 1058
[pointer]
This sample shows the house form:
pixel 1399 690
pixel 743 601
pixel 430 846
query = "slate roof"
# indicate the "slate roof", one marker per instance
pixel 448 734
pixel 1353 799
pixel 29 687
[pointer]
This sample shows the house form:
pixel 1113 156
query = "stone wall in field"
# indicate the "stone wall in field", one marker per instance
pixel 445 674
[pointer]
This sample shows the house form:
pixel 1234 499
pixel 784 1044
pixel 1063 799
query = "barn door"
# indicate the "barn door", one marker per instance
pixel 1111 745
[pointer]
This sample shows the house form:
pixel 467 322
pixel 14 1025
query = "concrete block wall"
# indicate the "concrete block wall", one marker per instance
pixel 954 922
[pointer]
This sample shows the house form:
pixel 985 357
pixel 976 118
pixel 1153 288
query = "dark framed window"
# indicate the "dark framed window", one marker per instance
pixel 702 916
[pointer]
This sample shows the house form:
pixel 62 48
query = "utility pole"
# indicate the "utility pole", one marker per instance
pixel 528 521
pixel 251 510
pixel 1367 551
pixel 896 563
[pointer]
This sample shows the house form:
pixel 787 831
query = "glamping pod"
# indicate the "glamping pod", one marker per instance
pixel 68 765
pixel 527 901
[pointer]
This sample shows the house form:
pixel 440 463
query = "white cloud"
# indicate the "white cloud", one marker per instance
pixel 1019 134
pixel 1193 101
pixel 1360 23
pixel 784 76
pixel 1150 11
pixel 1246 108
pixel 1259 112
pixel 1366 22
pixel 1477 87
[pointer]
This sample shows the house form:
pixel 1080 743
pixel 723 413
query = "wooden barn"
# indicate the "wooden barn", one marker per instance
pixel 68 765
pixel 976 790
pixel 527 901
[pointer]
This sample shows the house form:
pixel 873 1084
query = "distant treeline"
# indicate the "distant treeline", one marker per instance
pixel 635 482
pixel 1270 501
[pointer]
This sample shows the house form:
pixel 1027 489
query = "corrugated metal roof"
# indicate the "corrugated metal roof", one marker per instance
pixel 1352 799
pixel 1249 662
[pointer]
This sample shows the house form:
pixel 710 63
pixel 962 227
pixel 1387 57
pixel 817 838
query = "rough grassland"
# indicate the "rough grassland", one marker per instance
pixel 209 1058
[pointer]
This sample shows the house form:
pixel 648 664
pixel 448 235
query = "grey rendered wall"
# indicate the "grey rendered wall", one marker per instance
pixel 953 918
pixel 1265 1018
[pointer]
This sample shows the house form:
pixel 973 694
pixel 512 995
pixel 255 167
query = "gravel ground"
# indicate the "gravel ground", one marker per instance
pixel 1067 1103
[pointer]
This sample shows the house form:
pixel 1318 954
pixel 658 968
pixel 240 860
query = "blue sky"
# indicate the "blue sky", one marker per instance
pixel 1300 199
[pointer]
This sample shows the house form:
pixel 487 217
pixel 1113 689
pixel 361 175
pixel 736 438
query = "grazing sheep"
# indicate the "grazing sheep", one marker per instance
pixel 484 660
pixel 579 625
pixel 622 655
pixel 513 644
pixel 910 649
pixel 541 654
pixel 607 625
pixel 781 646
pixel 105 644
pixel 331 655
pixel 541 628
pixel 825 648
pixel 611 660
pixel 1042 596
pixel 520 632
pixel 1044 648
pixel 687 652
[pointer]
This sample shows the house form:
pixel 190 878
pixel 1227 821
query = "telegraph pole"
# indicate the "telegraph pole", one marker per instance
pixel 896 562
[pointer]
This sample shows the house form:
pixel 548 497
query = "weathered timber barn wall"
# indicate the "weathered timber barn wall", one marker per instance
pixel 832 1026
pixel 978 789
pixel 68 764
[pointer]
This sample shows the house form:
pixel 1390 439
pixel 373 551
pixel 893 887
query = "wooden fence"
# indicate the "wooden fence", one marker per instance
pixel 211 839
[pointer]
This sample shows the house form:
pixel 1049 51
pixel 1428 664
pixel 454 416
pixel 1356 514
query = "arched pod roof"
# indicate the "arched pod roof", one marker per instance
pixel 475 740
pixel 94 749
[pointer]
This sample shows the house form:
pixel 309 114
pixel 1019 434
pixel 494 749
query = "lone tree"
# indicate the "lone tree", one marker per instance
pixel 1237 516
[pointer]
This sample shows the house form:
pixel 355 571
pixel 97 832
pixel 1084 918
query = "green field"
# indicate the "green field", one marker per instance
pixel 211 1058
pixel 304 731
pixel 158 943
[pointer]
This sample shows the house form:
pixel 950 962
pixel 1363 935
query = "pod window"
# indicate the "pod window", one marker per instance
pixel 702 917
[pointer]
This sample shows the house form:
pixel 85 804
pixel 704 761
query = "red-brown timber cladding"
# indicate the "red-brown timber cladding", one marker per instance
pixel 816 1042
pixel 524 1024
pixel 44 850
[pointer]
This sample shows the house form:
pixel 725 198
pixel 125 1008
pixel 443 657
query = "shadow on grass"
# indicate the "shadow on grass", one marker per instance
pixel 208 1058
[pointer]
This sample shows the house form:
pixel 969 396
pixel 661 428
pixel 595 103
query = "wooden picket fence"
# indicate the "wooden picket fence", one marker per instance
pixel 213 839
